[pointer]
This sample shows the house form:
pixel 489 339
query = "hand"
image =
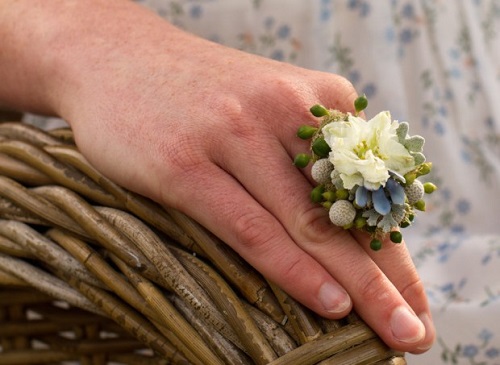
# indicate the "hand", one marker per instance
pixel 210 131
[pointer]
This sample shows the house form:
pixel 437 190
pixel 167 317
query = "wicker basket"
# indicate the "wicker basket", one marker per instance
pixel 91 273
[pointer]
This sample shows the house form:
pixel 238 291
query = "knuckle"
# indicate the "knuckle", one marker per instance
pixel 292 270
pixel 173 156
pixel 315 227
pixel 254 231
pixel 240 126
pixel 287 92
pixel 413 289
pixel 225 106
pixel 372 288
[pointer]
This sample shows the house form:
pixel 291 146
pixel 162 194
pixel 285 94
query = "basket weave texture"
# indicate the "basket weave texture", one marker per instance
pixel 91 273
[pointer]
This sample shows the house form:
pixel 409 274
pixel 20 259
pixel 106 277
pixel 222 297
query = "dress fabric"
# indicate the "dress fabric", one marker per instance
pixel 435 64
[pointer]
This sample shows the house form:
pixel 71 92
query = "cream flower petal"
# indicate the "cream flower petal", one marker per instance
pixel 363 152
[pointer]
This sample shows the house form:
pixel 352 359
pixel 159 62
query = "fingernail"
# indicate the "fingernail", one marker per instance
pixel 406 327
pixel 429 330
pixel 334 298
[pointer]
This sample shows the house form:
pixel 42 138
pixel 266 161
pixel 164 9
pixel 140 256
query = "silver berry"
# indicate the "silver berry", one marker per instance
pixel 342 213
pixel 414 192
pixel 321 171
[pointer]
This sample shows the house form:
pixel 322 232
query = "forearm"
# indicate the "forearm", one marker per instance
pixel 53 50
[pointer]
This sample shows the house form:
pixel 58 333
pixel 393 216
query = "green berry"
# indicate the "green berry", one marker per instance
pixel 317 194
pixel 404 224
pixel 348 226
pixel 319 110
pixel 375 244
pixel 327 205
pixel 306 131
pixel 301 160
pixel 410 178
pixel 420 205
pixel 360 103
pixel 342 194
pixel 396 237
pixel 424 169
pixel 359 222
pixel 320 147
pixel 329 196
pixel 429 188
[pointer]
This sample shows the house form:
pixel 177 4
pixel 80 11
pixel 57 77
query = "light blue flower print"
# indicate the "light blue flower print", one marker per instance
pixel 491 297
pixel 407 35
pixel 343 63
pixel 325 11
pixel 369 90
pixel 492 353
pixel 180 11
pixel 450 212
pixel 463 206
pixel 341 57
pixel 478 155
pixel 492 255
pixel 283 32
pixel 269 22
pixel 274 40
pixel 443 295
pixel 434 104
pixel 406 26
pixel 492 137
pixel 439 127
pixel 408 11
pixel 277 55
pixel 438 249
pixel 446 249
pixel 362 7
pixel 196 11
pixel 471 353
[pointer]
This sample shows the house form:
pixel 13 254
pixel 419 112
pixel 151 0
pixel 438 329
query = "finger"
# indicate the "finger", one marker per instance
pixel 409 285
pixel 283 191
pixel 227 210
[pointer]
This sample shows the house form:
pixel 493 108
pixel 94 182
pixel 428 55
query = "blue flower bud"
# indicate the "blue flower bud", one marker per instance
pixel 361 197
pixel 380 202
pixel 396 191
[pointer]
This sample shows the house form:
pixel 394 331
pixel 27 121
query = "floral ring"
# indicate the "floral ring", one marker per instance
pixel 366 171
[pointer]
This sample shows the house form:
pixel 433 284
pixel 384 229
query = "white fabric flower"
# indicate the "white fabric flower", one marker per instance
pixel 364 152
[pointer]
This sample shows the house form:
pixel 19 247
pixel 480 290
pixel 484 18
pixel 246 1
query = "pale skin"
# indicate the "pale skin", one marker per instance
pixel 210 131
